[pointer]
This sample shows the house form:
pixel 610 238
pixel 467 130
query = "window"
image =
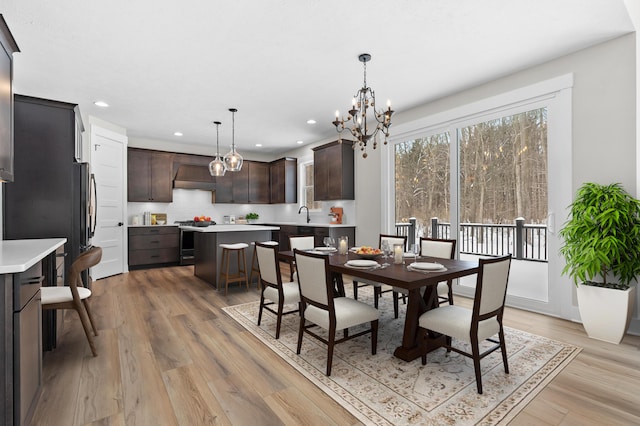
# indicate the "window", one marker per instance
pixel 306 184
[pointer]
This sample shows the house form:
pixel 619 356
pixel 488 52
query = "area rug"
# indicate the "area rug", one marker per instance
pixel 384 390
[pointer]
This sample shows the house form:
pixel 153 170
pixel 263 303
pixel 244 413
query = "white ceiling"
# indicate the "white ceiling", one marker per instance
pixel 167 66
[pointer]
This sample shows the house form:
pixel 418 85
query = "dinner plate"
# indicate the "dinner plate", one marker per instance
pixel 325 249
pixel 426 266
pixel 361 263
pixel 408 254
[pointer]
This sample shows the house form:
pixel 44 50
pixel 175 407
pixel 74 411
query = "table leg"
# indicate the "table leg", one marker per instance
pixel 416 305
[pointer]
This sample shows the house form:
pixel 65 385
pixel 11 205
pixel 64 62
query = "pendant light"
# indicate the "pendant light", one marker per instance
pixel 233 160
pixel 217 167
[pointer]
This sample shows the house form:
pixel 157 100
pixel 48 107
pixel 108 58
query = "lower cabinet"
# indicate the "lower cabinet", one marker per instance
pixel 153 245
pixel 319 232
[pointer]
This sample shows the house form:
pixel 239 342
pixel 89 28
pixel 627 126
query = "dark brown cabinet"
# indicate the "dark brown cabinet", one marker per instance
pixel 333 175
pixel 149 175
pixel 8 47
pixel 250 185
pixel 153 245
pixel 319 232
pixel 284 181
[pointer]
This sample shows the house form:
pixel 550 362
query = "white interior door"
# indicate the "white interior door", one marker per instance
pixel 108 158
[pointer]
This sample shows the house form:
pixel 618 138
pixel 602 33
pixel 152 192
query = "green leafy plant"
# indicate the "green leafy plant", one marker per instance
pixel 602 236
pixel 252 216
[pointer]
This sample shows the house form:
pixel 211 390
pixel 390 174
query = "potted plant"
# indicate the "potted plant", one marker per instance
pixel 602 253
pixel 252 217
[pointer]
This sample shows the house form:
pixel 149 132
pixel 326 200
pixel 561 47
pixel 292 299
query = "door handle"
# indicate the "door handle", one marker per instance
pixel 120 223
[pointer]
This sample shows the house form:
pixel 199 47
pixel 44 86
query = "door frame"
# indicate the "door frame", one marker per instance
pixel 97 130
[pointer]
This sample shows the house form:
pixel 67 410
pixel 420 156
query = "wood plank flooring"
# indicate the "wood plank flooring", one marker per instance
pixel 168 355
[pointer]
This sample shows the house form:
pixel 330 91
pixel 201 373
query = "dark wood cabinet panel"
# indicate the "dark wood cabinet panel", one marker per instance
pixel 149 175
pixel 241 184
pixel 259 183
pixel 333 172
pixel 153 245
pixel 284 181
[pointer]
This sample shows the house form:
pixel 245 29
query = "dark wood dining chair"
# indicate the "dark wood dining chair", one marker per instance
pixel 320 308
pixel 74 295
pixel 475 325
pixel 433 247
pixel 378 287
pixel 274 291
pixel 302 242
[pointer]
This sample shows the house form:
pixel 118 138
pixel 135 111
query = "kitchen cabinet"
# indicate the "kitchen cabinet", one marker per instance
pixel 249 185
pixel 284 181
pixel 52 320
pixel 319 232
pixel 149 175
pixel 8 47
pixel 153 245
pixel 333 174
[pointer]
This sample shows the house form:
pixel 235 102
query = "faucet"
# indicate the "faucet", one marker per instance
pixel 307 208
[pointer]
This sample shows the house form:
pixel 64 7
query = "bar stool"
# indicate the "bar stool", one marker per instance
pixel 254 262
pixel 241 274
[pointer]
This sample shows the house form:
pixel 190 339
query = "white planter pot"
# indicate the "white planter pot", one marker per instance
pixel 605 312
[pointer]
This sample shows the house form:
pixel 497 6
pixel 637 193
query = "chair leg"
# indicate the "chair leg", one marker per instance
pixel 261 306
pixel 475 351
pixel 374 337
pixel 330 345
pixel 503 349
pixel 395 304
pixel 422 344
pixel 377 292
pixel 85 302
pixel 279 318
pixel 87 331
pixel 355 289
pixel 300 332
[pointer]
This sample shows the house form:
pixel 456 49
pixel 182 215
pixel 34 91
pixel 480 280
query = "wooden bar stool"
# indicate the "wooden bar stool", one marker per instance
pixel 241 274
pixel 254 262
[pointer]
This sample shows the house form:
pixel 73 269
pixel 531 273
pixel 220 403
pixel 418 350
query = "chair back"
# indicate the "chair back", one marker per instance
pixel 444 249
pixel 314 278
pixel 302 242
pixel 491 287
pixel 393 239
pixel 86 260
pixel 268 263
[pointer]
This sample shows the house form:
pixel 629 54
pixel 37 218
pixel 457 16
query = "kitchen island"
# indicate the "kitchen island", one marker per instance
pixel 207 249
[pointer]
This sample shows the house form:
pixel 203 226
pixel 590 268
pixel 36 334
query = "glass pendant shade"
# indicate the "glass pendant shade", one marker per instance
pixel 233 160
pixel 217 167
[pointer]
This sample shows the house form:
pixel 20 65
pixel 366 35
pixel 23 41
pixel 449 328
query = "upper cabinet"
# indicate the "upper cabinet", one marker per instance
pixel 149 175
pixel 284 181
pixel 9 47
pixel 249 185
pixel 333 177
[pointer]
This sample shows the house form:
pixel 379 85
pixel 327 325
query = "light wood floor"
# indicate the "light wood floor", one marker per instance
pixel 168 355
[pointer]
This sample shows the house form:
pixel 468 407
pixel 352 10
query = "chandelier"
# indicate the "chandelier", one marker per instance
pixel 233 160
pixel 362 114
pixel 217 167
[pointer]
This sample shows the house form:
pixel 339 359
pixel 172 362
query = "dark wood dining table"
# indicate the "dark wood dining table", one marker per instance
pixel 399 276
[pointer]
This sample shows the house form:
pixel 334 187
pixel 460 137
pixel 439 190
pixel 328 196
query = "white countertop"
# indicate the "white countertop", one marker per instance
pixel 20 255
pixel 315 224
pixel 230 228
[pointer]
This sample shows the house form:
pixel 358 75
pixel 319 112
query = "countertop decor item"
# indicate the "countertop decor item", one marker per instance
pixel 359 112
pixel 252 217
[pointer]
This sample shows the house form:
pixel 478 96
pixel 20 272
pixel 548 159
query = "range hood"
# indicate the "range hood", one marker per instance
pixel 189 176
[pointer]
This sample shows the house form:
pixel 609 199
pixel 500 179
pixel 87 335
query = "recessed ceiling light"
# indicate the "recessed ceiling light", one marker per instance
pixel 311 121
pixel 258 145
pixel 102 104
pixel 177 134
pixel 299 142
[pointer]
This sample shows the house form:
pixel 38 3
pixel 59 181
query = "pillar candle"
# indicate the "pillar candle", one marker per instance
pixel 397 253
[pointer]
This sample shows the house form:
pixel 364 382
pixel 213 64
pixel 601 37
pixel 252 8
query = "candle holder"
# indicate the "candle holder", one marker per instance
pixel 398 253
pixel 343 244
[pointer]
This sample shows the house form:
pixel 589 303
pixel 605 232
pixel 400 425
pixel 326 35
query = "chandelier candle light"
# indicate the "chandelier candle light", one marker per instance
pixel 365 98
pixel 233 160
pixel 217 167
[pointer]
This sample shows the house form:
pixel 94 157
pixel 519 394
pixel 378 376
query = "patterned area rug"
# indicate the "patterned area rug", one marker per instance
pixel 383 390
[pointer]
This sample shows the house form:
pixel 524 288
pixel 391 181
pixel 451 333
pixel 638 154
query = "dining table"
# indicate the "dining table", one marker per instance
pixel 421 286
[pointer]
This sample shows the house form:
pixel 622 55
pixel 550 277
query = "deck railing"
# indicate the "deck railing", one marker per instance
pixel 523 241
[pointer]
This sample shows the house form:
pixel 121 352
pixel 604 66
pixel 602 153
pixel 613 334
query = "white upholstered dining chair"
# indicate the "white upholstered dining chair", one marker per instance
pixel 301 242
pixel 274 291
pixel 475 325
pixel 377 287
pixel 319 307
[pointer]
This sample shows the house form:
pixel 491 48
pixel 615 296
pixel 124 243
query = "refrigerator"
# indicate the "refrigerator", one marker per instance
pixel 51 191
